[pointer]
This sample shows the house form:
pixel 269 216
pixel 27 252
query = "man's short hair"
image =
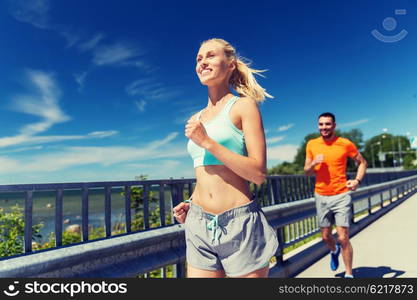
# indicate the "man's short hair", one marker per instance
pixel 329 115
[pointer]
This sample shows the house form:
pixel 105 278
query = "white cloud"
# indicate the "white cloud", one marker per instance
pixel 34 12
pixel 166 140
pixel 34 140
pixel 162 169
pixel 91 43
pixel 150 89
pixel 105 156
pixel 69 36
pixel 44 103
pixel 351 124
pixel 80 79
pixel 162 164
pixel 141 86
pixel 8 164
pixel 102 134
pixel 140 105
pixel 275 139
pixel 283 152
pixel 285 127
pixel 22 149
pixel 119 53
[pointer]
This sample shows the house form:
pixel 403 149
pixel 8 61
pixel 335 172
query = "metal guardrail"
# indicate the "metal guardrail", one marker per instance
pixel 276 189
pixel 131 254
pixel 374 200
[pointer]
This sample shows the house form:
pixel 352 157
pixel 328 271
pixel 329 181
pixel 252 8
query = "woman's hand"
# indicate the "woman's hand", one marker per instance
pixel 195 131
pixel 180 211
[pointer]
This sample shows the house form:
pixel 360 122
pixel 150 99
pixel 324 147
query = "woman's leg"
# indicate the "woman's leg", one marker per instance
pixel 199 273
pixel 260 273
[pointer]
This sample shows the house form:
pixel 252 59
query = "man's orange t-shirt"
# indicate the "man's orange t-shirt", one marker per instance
pixel 331 173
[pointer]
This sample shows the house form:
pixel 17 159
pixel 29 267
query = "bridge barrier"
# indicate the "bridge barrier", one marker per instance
pixel 130 254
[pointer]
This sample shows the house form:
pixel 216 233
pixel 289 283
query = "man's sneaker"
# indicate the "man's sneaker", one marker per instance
pixel 348 276
pixel 334 259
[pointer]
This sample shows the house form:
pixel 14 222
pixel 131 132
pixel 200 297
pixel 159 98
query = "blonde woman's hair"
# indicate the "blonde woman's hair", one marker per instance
pixel 243 80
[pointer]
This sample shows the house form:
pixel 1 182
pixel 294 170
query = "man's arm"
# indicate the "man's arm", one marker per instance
pixel 311 163
pixel 360 174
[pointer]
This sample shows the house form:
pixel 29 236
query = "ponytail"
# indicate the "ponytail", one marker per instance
pixel 243 80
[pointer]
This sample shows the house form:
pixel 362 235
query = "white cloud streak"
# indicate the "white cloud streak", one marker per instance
pixel 44 103
pixel 150 89
pixel 34 140
pixel 274 140
pixel 92 43
pixel 140 105
pixel 77 156
pixel 34 12
pixel 354 123
pixel 282 153
pixel 285 127
pixel 80 79
pixel 120 53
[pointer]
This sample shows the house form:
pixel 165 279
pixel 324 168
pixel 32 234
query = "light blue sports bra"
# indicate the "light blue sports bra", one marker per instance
pixel 223 131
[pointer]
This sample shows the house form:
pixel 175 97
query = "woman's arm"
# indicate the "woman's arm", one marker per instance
pixel 251 167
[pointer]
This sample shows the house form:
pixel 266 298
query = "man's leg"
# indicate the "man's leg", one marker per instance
pixel 326 235
pixel 347 250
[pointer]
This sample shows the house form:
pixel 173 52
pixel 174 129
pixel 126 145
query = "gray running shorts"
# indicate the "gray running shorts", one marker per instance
pixel 335 209
pixel 238 241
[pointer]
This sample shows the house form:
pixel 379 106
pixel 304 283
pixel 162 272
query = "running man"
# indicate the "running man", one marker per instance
pixel 326 156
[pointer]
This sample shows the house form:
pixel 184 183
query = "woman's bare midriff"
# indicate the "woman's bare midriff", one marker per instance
pixel 219 189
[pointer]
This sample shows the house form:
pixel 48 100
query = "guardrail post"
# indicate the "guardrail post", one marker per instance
pixel 390 195
pixel 107 210
pixel 28 221
pixel 179 270
pixel 279 255
pixel 352 216
pixel 275 191
pixel 381 199
pixel 146 206
pixel 369 205
pixel 58 217
pixel 128 208
pixel 84 214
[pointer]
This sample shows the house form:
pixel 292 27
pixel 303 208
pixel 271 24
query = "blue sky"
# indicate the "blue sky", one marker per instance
pixel 100 90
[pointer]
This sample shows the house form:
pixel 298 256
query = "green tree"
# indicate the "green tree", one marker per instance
pixel 395 149
pixel 137 197
pixel 297 165
pixel 285 168
pixel 300 157
pixel 410 161
pixel 12 228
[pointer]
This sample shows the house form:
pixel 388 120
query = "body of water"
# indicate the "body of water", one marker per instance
pixel 44 207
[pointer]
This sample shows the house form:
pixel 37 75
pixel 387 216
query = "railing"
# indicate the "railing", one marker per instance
pixel 368 204
pixel 133 253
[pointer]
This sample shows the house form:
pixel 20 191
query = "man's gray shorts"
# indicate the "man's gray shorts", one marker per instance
pixel 238 241
pixel 335 209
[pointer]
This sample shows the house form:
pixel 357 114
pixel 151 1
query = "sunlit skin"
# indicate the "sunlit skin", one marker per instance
pixel 223 187
pixel 327 128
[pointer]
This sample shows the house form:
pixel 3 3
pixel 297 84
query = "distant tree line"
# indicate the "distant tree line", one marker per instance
pixel 394 150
